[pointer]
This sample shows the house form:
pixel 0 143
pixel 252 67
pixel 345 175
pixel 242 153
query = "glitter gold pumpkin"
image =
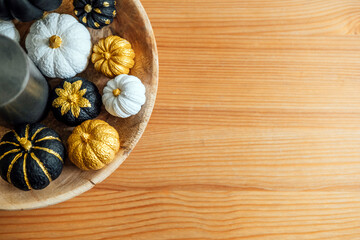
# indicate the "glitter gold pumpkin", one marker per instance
pixel 113 56
pixel 93 144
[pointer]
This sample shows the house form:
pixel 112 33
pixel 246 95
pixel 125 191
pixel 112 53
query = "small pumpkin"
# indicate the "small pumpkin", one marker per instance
pixel 59 45
pixel 124 95
pixel 31 156
pixel 93 144
pixel 113 56
pixel 7 28
pixel 26 10
pixel 75 100
pixel 95 13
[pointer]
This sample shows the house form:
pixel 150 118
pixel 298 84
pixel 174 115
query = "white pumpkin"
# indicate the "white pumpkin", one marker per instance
pixel 59 45
pixel 123 96
pixel 7 28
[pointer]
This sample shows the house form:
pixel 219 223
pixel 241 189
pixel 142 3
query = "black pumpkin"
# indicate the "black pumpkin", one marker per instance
pixel 26 10
pixel 95 13
pixel 75 100
pixel 31 156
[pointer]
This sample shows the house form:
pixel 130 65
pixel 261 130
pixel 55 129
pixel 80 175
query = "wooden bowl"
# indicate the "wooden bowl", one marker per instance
pixel 132 24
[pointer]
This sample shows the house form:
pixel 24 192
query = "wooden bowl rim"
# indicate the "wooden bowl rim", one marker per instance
pixel 120 157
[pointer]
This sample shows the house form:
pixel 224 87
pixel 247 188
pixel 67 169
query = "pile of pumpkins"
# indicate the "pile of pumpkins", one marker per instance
pixel 32 155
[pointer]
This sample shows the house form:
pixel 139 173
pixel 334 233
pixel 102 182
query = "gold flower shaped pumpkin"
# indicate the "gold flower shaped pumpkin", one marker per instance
pixel 113 56
pixel 93 144
pixel 71 98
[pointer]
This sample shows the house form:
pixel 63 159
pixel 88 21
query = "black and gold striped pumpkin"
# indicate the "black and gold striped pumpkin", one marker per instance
pixel 95 13
pixel 31 156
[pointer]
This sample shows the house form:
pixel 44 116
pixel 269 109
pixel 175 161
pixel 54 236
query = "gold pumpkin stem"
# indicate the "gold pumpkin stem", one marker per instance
pixel 88 8
pixel 55 41
pixel 85 137
pixel 107 55
pixel 26 144
pixel 116 92
pixel 44 15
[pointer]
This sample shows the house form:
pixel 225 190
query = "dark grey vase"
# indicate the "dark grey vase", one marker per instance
pixel 23 89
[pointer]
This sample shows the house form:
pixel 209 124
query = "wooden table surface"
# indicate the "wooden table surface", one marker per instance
pixel 255 133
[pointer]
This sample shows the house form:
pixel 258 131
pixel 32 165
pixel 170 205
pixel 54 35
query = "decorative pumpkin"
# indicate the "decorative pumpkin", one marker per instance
pixel 124 96
pixel 59 45
pixel 26 10
pixel 93 144
pixel 31 156
pixel 95 13
pixel 113 56
pixel 75 100
pixel 7 28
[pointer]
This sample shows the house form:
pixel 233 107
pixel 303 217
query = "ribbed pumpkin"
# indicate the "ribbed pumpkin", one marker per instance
pixel 8 29
pixel 26 10
pixel 95 13
pixel 59 45
pixel 93 144
pixel 124 95
pixel 113 56
pixel 75 100
pixel 31 156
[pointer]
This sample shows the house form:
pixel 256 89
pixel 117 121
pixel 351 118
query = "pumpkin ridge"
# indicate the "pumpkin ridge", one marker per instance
pixel 50 24
pixel 48 57
pixel 16 136
pixel 105 143
pixel 25 173
pixel 126 110
pixel 41 165
pixel 11 143
pixel 74 146
pixel 11 166
pixel 50 151
pixel 118 69
pixel 67 29
pixel 36 132
pixel 103 158
pixel 92 132
pixel 27 131
pixel 95 124
pixel 89 149
pixel 48 138
pixel 67 61
pixel 78 162
pixel 9 152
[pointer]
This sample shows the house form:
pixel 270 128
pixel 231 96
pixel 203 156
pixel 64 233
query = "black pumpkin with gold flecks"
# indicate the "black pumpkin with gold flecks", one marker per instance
pixel 31 156
pixel 75 100
pixel 95 13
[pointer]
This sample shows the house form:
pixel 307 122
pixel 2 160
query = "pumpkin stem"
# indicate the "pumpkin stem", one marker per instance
pixel 55 41
pixel 88 8
pixel 116 92
pixel 44 15
pixel 85 137
pixel 25 143
pixel 107 55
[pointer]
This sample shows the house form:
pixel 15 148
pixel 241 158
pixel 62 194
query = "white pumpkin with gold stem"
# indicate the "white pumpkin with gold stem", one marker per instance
pixel 59 45
pixel 124 95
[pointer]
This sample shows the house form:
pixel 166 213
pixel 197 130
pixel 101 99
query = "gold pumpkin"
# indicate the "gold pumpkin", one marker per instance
pixel 113 56
pixel 93 144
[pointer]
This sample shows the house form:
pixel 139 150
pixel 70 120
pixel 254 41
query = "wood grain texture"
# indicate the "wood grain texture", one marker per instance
pixel 255 134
